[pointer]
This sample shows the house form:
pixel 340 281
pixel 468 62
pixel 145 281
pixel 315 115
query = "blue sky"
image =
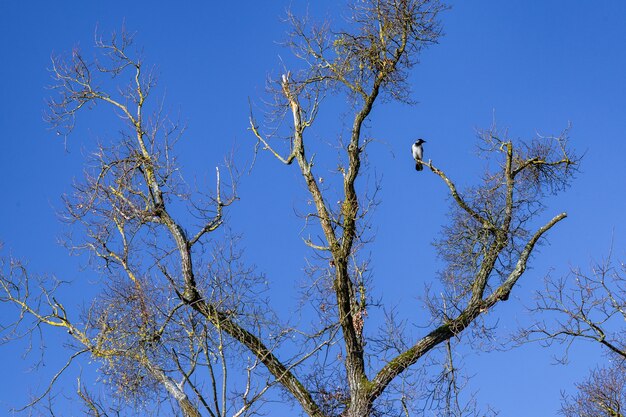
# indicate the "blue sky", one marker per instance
pixel 536 66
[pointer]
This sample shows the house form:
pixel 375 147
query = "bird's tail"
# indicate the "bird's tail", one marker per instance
pixel 418 166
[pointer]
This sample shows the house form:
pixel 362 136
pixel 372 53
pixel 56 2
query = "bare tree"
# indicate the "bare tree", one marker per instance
pixel 149 343
pixel 489 242
pixel 603 394
pixel 587 306
pixel 169 309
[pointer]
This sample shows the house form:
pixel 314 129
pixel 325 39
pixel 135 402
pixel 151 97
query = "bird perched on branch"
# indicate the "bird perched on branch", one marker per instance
pixel 418 154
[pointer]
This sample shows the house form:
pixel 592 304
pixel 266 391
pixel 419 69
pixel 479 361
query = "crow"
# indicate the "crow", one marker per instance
pixel 418 154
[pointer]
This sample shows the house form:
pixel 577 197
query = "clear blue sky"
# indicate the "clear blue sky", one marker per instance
pixel 536 65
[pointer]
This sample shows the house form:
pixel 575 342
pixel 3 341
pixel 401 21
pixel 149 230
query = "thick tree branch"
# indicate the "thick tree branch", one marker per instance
pixel 458 324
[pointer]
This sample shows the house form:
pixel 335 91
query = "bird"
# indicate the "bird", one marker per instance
pixel 418 154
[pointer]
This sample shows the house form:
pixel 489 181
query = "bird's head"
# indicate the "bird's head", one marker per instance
pixel 420 141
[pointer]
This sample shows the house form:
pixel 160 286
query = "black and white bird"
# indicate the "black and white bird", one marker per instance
pixel 418 154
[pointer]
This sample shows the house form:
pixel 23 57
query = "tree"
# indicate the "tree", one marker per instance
pixel 588 306
pixel 149 345
pixel 166 310
pixel 488 244
pixel 603 394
